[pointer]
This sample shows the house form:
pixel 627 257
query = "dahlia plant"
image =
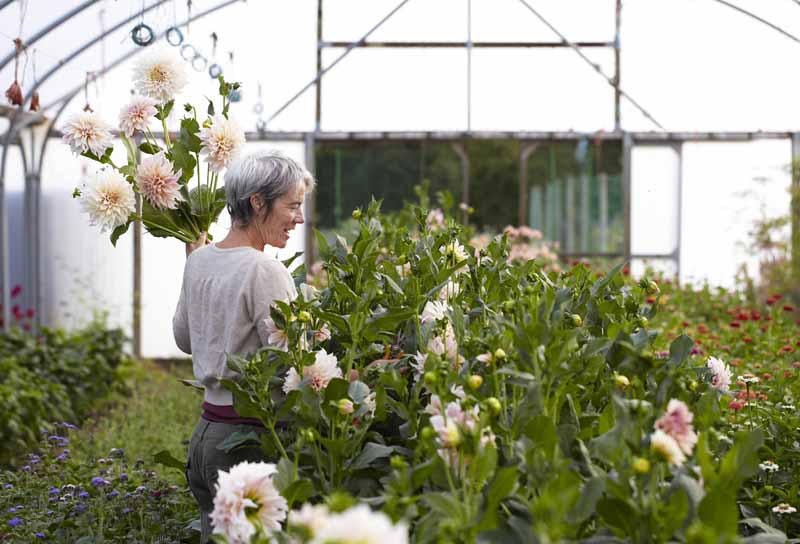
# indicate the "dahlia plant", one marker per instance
pixel 160 171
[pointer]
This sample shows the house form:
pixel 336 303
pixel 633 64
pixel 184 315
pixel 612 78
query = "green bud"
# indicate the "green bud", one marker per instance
pixel 304 316
pixel 356 213
pixel 641 465
pixel 652 288
pixel 431 378
pixel 576 320
pixel 494 405
pixel 397 462
pixel 475 381
pixel 308 435
pixel 500 354
pixel 427 433
pixel 345 406
pixel 643 321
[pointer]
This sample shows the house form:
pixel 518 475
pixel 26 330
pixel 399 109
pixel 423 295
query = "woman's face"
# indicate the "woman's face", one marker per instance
pixel 286 213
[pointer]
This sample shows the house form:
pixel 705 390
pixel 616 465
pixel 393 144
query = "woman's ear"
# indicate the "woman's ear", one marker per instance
pixel 255 202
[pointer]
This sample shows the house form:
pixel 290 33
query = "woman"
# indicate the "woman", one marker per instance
pixel 228 288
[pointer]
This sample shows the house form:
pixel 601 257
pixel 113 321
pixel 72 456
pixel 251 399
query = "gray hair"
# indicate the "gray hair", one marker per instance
pixel 268 174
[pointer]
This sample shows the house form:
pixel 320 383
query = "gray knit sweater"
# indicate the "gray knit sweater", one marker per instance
pixel 225 297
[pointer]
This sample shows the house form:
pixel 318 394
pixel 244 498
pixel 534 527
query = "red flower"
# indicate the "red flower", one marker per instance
pixel 685 324
pixel 755 316
pixel 787 349
pixel 766 376
pixel 741 316
pixel 770 302
pixel 16 291
pixel 788 373
pixel 735 405
pixel 30 313
pixel 788 308
pixel 776 297
pixel 702 328
pixel 762 396
pixel 747 340
pixel 736 324
pixel 626 271
pixel 651 300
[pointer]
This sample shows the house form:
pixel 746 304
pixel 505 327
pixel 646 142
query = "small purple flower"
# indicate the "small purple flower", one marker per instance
pixel 54 499
pixel 54 491
pixel 39 535
pixel 83 494
pixel 27 468
pixel 117 452
pixel 69 426
pixel 62 456
pixel 99 481
pixel 127 510
pixel 695 351
pixel 12 510
pixel 113 495
pixel 8 486
pixel 15 521
pixel 49 513
pixel 123 477
pixel 81 507
pixel 141 489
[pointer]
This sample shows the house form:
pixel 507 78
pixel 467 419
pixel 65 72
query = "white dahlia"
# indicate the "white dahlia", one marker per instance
pixel 434 311
pixel 275 336
pixel 160 75
pixel 136 115
pixel 246 496
pixel 86 131
pixel 158 183
pixel 311 516
pixel 360 525
pixel 324 369
pixel 108 199
pixel 667 448
pixel 291 381
pixel 720 374
pixel 222 141
pixel 449 291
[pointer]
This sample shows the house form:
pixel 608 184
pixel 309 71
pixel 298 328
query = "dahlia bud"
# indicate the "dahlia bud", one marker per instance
pixel 345 406
pixel 475 381
pixel 622 382
pixel 427 433
pixel 304 316
pixel 641 465
pixel 577 321
pixel 500 354
pixel 494 405
pixel 14 94
pixel 652 288
pixel 356 214
pixel 397 462
pixel 431 378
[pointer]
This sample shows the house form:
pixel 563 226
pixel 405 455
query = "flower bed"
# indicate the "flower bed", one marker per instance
pixel 470 398
pixel 52 376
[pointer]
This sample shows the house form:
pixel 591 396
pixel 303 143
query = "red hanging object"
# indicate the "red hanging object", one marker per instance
pixel 14 92
pixel 35 101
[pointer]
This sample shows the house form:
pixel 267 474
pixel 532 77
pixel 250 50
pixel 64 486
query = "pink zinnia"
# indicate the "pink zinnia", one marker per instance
pixel 158 183
pixel 677 423
pixel 135 115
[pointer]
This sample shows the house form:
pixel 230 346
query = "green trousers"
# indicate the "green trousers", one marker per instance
pixel 205 460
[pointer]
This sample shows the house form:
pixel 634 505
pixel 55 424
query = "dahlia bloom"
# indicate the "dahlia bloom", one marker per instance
pixel 677 423
pixel 86 131
pixel 311 517
pixel 247 496
pixel 158 183
pixel 160 76
pixel 449 291
pixel 318 375
pixel 275 336
pixel 221 142
pixel 446 347
pixel 434 311
pixel 455 250
pixel 135 115
pixel 667 448
pixel 322 334
pixel 108 199
pixel 720 374
pixel 435 220
pixel 360 525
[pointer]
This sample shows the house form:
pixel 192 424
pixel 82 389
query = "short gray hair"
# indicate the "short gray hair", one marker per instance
pixel 268 174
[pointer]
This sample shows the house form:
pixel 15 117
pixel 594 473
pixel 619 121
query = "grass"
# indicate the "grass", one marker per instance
pixel 158 414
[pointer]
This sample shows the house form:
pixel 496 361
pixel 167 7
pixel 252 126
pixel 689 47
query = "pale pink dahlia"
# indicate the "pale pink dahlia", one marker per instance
pixel 108 199
pixel 86 131
pixel 158 183
pixel 677 423
pixel 135 115
pixel 324 369
pixel 720 374
pixel 221 142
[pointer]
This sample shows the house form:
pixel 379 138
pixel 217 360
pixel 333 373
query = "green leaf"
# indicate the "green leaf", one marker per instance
pixel 210 109
pixel 718 510
pixel 183 160
pixel 617 514
pixel 237 439
pixel 166 459
pixel 371 453
pixel 299 491
pixel 149 149
pixel 189 134
pixel 679 350
pixel 592 490
pixel 164 111
pixel 119 231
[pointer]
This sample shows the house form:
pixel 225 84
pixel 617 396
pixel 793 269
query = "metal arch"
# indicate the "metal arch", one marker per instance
pixel 5 3
pixel 43 32
pixel 86 46
pixel 71 94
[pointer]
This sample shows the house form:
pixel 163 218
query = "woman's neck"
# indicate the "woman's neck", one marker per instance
pixel 241 237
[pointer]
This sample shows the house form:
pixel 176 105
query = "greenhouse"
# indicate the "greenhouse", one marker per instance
pixel 338 271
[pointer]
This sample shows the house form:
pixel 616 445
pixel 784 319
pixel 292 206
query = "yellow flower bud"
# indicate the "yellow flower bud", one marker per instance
pixel 494 405
pixel 345 406
pixel 304 316
pixel 641 465
pixel 500 354
pixel 475 381
pixel 622 382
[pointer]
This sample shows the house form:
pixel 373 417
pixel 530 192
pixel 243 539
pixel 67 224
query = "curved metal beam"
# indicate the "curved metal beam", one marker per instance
pixel 5 3
pixel 71 94
pixel 86 46
pixel 43 32
pixel 759 19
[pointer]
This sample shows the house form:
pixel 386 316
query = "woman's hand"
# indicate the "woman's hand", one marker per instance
pixel 200 242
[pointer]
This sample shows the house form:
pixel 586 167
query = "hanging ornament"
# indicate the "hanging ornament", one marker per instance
pixel 14 92
pixel 174 36
pixel 235 95
pixel 34 106
pixel 89 77
pixel 142 35
pixel 215 70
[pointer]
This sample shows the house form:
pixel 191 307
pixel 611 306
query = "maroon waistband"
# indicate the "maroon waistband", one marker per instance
pixel 226 414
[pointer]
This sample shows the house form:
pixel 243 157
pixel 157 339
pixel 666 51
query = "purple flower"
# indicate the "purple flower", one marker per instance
pixel 8 486
pixel 49 513
pixel 39 535
pixel 68 425
pixel 127 510
pixel 123 477
pixel 62 457
pixel 15 521
pixel 54 491
pixel 83 494
pixel 113 495
pixel 141 489
pixel 99 481
pixel 12 510
pixel 81 507
pixel 27 468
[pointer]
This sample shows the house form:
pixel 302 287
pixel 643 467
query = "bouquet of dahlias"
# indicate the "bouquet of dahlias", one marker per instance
pixel 161 171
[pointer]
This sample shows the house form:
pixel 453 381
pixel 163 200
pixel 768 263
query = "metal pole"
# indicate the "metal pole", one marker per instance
pixel 627 147
pixel 137 281
pixel 584 193
pixel 524 154
pixel 311 165
pixel 795 207
pixel 679 151
pixel 617 26
pixel 318 114
pixel 603 189
pixel 469 65
pixel 569 200
pixel 461 150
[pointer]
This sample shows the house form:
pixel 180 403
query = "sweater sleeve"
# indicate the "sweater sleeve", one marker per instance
pixel 270 282
pixel 180 321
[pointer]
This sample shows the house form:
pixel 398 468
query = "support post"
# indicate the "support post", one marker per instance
pixel 679 237
pixel 569 204
pixel 603 190
pixel 795 207
pixel 461 150
pixel 584 194
pixel 627 148
pixel 524 153
pixel 137 280
pixel 318 111
pixel 617 63
pixel 311 220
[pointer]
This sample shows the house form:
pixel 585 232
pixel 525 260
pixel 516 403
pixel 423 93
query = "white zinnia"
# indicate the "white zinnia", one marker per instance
pixel 434 311
pixel 246 495
pixel 222 141
pixel 275 336
pixel 667 448
pixel 158 183
pixel 108 199
pixel 360 525
pixel 720 374
pixel 160 75
pixel 86 131
pixel 135 115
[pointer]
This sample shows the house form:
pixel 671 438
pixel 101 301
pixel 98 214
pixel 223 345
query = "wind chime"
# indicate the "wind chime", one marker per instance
pixel 14 92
